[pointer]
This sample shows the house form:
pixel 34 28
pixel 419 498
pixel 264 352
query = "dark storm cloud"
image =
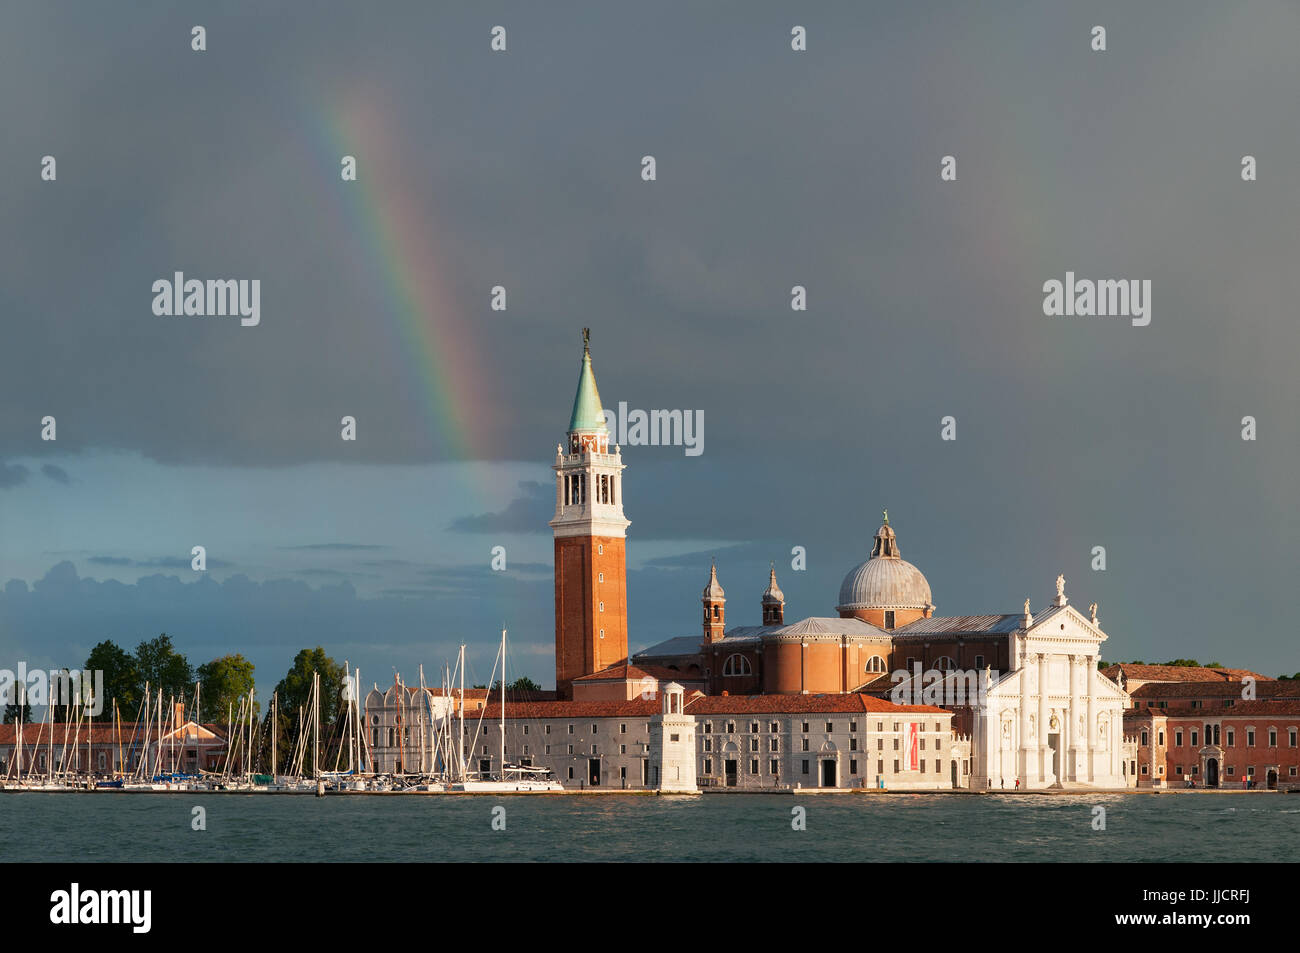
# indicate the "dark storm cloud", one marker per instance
pixel 158 562
pixel 56 473
pixel 524 514
pixel 775 169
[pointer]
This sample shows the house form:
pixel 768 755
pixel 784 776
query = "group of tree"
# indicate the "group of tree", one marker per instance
pixel 1178 663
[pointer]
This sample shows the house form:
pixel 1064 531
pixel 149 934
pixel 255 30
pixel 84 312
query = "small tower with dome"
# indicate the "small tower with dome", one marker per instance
pixel 773 601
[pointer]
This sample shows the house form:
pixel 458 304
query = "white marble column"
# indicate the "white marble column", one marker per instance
pixel 1090 683
pixel 1043 756
pixel 1027 745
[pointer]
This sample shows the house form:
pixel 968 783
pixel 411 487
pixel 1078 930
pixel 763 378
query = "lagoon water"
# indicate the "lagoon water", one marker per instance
pixel 1196 827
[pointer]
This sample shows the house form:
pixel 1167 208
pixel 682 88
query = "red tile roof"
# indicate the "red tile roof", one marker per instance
pixel 1189 690
pixel 635 673
pixel 104 733
pixel 801 704
pixel 1179 673
pixel 698 704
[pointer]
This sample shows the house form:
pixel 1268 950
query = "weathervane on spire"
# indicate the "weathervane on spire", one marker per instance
pixel 586 340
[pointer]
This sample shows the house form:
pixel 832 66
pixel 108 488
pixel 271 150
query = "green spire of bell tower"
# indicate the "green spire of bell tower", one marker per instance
pixel 588 413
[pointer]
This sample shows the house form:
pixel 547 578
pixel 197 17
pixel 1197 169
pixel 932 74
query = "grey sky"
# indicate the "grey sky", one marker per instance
pixel 775 168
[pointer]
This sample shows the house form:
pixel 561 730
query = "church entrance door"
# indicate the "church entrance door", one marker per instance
pixel 1212 773
pixel 828 773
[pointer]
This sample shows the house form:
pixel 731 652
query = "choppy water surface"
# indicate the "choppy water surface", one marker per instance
pixel 735 827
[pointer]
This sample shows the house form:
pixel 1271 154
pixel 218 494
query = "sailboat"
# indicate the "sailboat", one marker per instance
pixel 513 778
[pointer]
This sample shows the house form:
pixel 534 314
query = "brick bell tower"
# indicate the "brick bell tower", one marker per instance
pixel 590 531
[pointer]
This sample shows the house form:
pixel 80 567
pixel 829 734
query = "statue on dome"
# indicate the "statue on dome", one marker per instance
pixel 1060 585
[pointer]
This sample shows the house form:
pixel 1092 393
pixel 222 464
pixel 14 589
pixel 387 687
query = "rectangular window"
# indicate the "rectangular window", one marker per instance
pixel 753 766
pixel 829 727
pixel 775 727
pixel 1161 737
pixel 776 744
pixel 979 661
pixel 708 765
pixel 570 774
pixel 805 744
pixel 853 726
pixel 622 729
pixel 853 744
pixel 895 765
pixel 753 744
pixel 1144 739
pixel 753 727
pixel 853 766
pixel 1272 737
pixel 776 767
pixel 1291 737
pixel 1193 739
pixel 1231 738
pixel 1178 742
pixel 880 744
pixel 1250 737
pixel 805 765
pixel 805 727
pixel 880 767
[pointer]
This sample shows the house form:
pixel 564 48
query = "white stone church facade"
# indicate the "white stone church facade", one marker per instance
pixel 1054 720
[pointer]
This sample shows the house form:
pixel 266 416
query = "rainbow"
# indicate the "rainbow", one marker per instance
pixel 428 329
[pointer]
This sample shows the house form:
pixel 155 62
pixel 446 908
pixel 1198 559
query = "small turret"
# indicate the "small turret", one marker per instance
pixel 773 601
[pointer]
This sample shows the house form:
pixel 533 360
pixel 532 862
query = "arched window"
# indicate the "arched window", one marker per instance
pixel 875 664
pixel 737 665
pixel 943 663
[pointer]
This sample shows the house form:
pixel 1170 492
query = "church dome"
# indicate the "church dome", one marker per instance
pixel 885 580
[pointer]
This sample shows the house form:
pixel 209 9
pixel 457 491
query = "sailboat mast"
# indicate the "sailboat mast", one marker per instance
pixel 460 738
pixel 198 720
pixel 315 748
pixel 274 726
pixel 503 704
pixel 22 702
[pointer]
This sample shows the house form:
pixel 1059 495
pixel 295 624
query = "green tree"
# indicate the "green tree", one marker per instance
pixel 165 669
pixel 121 678
pixel 294 692
pixel 225 681
pixel 294 689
